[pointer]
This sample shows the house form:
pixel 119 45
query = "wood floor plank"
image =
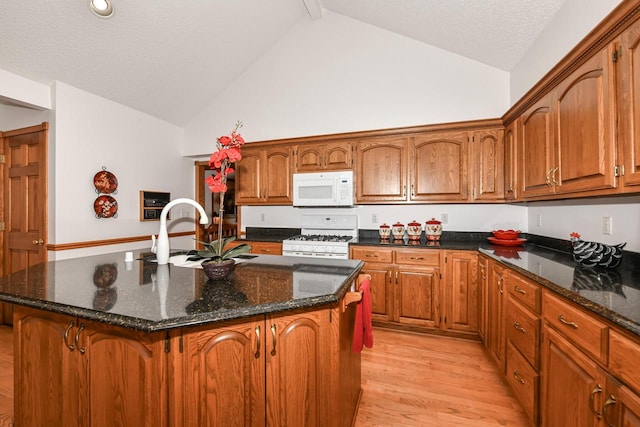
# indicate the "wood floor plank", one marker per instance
pixel 413 380
pixel 6 376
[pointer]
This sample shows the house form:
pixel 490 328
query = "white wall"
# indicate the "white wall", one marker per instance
pixel 16 117
pixel 585 216
pixel 25 92
pixel 336 74
pixel 482 217
pixel 574 20
pixel 142 151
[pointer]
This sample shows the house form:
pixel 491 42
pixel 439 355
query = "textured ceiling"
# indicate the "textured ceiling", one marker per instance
pixel 170 58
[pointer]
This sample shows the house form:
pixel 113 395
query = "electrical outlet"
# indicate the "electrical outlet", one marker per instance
pixel 444 218
pixel 607 225
pixel 374 218
pixel 539 220
pixel 262 219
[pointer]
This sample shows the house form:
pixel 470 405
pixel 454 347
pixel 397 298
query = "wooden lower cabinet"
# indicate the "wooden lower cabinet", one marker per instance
pixel 621 406
pixel 289 370
pixel 572 384
pixel 81 373
pixel 410 289
pixel 483 296
pixel 263 248
pixel 496 332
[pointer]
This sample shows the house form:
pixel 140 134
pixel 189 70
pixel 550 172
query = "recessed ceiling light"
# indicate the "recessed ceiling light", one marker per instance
pixel 101 8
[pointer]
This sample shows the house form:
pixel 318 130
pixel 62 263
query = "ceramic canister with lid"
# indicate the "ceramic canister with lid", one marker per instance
pixel 414 229
pixel 433 229
pixel 385 231
pixel 398 230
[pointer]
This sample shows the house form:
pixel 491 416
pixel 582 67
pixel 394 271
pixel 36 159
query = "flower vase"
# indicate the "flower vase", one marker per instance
pixel 216 270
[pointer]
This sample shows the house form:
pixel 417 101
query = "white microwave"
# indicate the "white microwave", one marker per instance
pixel 329 189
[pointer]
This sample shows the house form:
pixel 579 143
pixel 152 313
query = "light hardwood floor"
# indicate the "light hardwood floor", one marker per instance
pixel 423 380
pixel 6 376
pixel 407 380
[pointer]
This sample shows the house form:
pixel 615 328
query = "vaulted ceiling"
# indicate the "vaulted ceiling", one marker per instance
pixel 170 58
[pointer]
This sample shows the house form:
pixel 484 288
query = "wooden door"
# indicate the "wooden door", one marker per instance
pixel 629 104
pixel 460 291
pixel 249 179
pixel 536 149
pixel 45 359
pixel 417 296
pixel 487 147
pixel 572 384
pixel 298 366
pixel 496 334
pixel 23 206
pixel 124 382
pixel 381 170
pixel 278 179
pixel 223 375
pixel 585 127
pixel 511 161
pixel 439 167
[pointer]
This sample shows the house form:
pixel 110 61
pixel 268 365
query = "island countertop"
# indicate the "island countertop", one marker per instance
pixel 149 297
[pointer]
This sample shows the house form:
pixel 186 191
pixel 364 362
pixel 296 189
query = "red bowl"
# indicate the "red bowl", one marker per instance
pixel 506 234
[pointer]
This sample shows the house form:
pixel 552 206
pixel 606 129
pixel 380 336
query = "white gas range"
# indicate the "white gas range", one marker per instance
pixel 323 236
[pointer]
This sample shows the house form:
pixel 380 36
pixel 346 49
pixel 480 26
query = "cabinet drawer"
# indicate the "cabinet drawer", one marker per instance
pixel 623 356
pixel 418 257
pixel 525 291
pixel 580 327
pixel 266 248
pixel 523 380
pixel 372 254
pixel 523 330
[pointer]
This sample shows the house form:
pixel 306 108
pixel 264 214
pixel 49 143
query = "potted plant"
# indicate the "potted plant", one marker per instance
pixel 219 260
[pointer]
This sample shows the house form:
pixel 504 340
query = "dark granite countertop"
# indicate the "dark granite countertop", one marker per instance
pixel 611 293
pixel 145 296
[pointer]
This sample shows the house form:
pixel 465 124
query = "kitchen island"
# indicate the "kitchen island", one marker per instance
pixel 100 341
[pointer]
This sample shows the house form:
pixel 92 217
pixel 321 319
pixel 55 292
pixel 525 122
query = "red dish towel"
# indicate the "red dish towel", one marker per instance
pixel 363 331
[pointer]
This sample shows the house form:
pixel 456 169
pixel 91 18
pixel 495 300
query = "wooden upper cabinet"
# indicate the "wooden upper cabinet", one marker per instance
pixel 439 167
pixel 264 176
pixel 323 157
pixel 487 148
pixel 511 160
pixel 536 149
pixel 629 105
pixel 585 127
pixel 381 170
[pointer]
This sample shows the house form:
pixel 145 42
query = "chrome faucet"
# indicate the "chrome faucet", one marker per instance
pixel 161 246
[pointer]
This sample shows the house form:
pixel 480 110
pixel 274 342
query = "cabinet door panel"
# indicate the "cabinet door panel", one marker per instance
pixel 439 167
pixel 277 180
pixel 296 360
pixel 585 127
pixel 337 156
pixel 43 363
pixel 248 184
pixel 460 292
pixel 536 149
pixel 122 364
pixel 381 173
pixel 416 296
pixel 629 96
pixel 573 386
pixel 223 378
pixel 488 147
pixel 309 158
pixel 511 161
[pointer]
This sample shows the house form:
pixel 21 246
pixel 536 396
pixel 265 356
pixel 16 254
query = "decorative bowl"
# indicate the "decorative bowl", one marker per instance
pixel 506 234
pixel 218 270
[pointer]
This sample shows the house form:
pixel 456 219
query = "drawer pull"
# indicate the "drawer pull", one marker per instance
pixel 66 336
pixel 520 328
pixel 597 389
pixel 517 376
pixel 519 290
pixel 500 285
pixel 371 255
pixel 416 257
pixel 561 318
pixel 610 401
pixel 257 353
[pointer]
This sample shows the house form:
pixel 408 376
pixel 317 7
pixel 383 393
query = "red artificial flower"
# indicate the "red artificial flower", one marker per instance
pixel 215 183
pixel 217 157
pixel 225 140
pixel 233 154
